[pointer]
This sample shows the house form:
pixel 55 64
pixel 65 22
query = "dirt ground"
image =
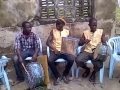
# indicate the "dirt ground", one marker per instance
pixel 76 84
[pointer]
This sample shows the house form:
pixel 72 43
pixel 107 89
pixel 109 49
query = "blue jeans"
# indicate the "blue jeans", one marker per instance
pixel 18 67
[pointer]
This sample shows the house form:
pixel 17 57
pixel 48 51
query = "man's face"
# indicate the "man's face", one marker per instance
pixel 59 27
pixel 93 25
pixel 27 29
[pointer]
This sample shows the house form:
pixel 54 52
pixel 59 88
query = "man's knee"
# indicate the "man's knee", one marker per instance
pixel 71 59
pixel 79 62
pixel 70 62
pixel 97 67
pixel 50 60
pixel 15 59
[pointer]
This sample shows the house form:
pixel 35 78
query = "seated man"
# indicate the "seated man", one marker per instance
pixel 90 40
pixel 27 44
pixel 54 41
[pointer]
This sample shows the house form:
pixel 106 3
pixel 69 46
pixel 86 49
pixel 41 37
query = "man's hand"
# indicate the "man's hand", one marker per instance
pixel 34 58
pixel 57 52
pixel 87 41
pixel 83 48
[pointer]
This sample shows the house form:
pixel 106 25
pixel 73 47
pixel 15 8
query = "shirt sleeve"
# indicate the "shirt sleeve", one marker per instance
pixel 17 42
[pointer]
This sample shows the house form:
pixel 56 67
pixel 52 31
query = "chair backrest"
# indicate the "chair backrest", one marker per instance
pixel 48 51
pixel 40 45
pixel 2 64
pixel 114 44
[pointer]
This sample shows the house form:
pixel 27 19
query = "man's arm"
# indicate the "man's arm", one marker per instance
pixel 19 55
pixel 104 38
pixel 83 40
pixel 17 48
pixel 37 47
pixel 50 42
pixel 96 52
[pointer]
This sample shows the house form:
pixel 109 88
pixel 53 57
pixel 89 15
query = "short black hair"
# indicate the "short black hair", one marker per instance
pixel 59 21
pixel 24 23
pixel 92 19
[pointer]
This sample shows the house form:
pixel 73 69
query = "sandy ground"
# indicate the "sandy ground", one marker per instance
pixel 77 84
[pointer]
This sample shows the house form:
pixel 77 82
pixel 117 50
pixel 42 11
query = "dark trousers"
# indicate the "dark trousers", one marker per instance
pixel 53 57
pixel 17 65
pixel 83 57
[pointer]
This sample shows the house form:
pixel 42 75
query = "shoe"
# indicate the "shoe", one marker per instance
pixel 92 77
pixel 28 89
pixel 86 73
pixel 20 79
pixel 66 80
pixel 57 81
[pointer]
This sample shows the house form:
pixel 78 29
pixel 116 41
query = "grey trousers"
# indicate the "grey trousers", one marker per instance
pixel 83 57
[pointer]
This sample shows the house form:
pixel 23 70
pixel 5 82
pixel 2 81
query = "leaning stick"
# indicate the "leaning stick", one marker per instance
pixel 25 69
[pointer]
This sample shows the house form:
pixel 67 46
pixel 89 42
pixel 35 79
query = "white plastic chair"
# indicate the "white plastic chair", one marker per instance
pixel 101 74
pixel 114 44
pixel 3 74
pixel 60 60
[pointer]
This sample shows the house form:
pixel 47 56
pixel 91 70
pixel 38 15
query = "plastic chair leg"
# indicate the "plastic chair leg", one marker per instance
pixel 73 71
pixel 112 66
pixel 101 74
pixel 77 72
pixel 6 81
